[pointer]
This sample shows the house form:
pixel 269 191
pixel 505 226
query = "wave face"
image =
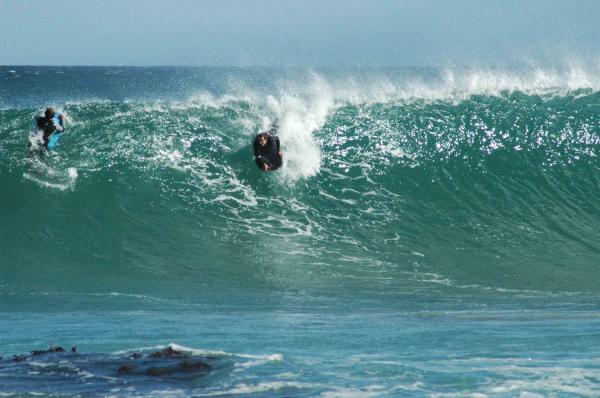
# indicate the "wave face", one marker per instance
pixel 394 182
pixel 432 232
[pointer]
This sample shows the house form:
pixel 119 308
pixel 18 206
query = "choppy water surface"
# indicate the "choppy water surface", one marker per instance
pixel 432 232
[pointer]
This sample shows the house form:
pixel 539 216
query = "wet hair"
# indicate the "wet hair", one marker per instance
pixel 264 135
pixel 49 113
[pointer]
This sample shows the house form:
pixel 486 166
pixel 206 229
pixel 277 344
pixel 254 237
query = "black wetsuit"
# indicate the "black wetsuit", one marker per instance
pixel 268 154
pixel 47 126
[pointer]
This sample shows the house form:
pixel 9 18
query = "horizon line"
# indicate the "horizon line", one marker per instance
pixel 293 67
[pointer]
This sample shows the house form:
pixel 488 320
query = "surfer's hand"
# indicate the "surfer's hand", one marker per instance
pixel 280 153
pixel 266 167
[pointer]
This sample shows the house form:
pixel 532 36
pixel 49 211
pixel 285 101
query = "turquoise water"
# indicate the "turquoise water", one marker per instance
pixel 432 232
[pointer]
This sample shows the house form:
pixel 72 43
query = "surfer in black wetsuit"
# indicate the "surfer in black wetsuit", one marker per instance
pixel 49 123
pixel 267 151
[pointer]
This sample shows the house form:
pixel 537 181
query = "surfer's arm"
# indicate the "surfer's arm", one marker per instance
pixel 261 163
pixel 278 146
pixel 255 147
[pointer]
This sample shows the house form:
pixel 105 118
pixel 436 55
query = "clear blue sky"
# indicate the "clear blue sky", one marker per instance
pixel 298 33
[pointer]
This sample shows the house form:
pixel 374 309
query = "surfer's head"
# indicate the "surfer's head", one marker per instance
pixel 263 138
pixel 49 113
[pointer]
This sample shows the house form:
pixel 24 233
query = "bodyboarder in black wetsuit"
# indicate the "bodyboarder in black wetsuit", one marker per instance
pixel 267 152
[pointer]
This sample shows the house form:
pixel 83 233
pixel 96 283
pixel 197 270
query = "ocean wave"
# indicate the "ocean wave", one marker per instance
pixel 476 180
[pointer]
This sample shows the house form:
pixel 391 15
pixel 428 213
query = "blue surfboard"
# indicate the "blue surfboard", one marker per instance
pixel 53 140
pixel 55 137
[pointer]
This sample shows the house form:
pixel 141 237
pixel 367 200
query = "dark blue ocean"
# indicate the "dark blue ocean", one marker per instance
pixel 433 232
